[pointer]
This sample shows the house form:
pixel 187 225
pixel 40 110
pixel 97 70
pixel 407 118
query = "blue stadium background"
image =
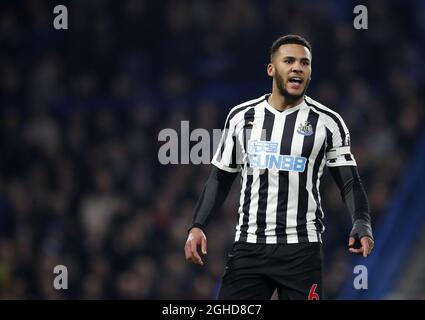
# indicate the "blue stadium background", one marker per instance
pixel 81 109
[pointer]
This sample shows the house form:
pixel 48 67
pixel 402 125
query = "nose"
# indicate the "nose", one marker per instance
pixel 296 67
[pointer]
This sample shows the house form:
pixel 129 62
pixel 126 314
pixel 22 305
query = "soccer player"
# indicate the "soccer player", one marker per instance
pixel 281 142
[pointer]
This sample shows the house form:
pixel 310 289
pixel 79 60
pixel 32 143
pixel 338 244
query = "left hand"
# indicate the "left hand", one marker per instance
pixel 366 246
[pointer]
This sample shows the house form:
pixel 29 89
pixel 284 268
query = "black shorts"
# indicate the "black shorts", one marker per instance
pixel 255 271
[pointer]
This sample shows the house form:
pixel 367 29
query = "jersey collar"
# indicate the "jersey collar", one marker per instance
pixel 277 112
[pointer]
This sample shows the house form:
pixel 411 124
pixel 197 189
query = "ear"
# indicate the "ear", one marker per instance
pixel 270 69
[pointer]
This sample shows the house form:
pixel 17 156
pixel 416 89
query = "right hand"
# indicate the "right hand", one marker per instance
pixel 195 238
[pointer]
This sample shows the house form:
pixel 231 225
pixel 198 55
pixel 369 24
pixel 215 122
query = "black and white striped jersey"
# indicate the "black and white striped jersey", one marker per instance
pixel 281 156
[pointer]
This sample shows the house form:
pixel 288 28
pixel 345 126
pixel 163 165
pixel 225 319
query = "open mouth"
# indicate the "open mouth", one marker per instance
pixel 295 80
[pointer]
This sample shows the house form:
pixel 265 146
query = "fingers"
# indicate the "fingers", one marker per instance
pixel 191 251
pixel 196 258
pixel 187 251
pixel 367 244
pixel 351 241
pixel 365 249
pixel 204 245
pixel 189 254
pixel 357 251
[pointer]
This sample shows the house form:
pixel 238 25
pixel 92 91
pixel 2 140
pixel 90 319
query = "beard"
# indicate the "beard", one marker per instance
pixel 285 93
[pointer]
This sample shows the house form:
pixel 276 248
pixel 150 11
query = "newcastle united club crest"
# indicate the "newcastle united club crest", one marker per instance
pixel 305 129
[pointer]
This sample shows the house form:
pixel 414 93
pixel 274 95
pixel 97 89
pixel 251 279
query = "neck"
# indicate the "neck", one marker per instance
pixel 281 103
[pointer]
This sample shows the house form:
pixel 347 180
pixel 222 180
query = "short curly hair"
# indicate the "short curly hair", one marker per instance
pixel 289 39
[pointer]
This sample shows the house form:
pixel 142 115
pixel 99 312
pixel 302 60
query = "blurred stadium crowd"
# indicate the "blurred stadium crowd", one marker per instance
pixel 80 181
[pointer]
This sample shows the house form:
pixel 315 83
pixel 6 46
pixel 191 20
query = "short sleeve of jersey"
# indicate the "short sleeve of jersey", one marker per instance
pixel 338 151
pixel 228 154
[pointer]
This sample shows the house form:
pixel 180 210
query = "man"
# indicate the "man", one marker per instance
pixel 281 143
